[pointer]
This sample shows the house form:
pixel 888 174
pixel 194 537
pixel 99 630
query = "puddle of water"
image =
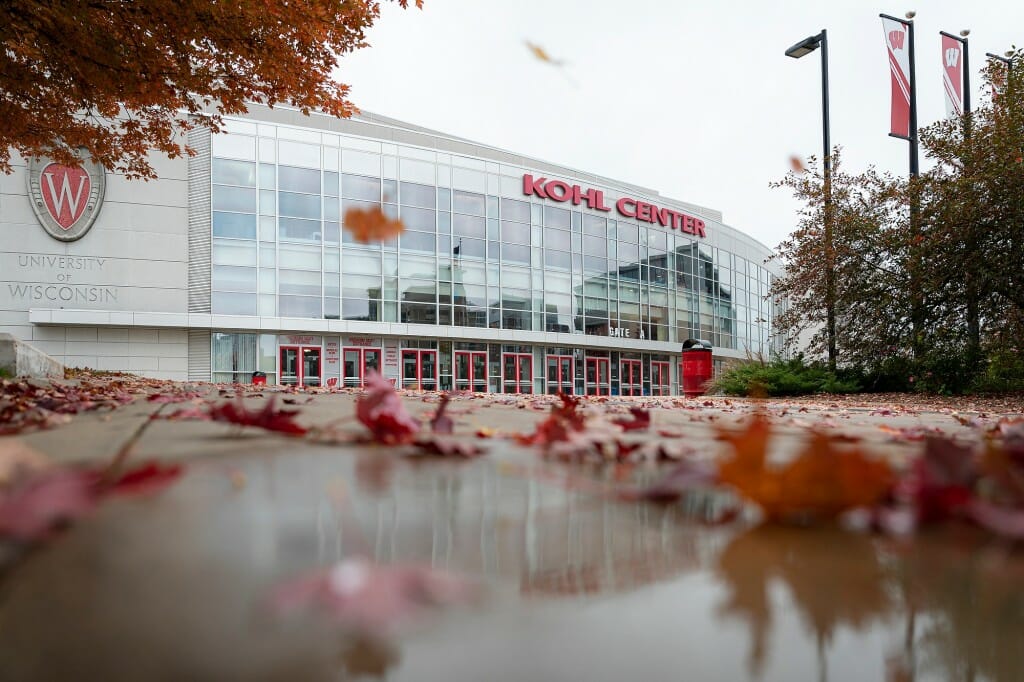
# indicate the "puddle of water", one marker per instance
pixel 576 586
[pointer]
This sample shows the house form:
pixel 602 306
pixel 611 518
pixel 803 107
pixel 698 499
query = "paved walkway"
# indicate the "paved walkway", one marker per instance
pixel 176 586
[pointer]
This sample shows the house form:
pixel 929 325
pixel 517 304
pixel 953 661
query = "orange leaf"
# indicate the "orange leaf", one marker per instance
pixel 819 483
pixel 542 54
pixel 371 225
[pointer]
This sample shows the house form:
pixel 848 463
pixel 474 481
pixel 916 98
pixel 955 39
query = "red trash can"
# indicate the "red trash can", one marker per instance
pixel 259 378
pixel 697 367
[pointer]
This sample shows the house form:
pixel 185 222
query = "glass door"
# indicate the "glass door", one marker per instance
pixel 560 378
pixel 291 371
pixel 631 381
pixel 471 371
pixel 300 365
pixel 517 373
pixel 310 366
pixel 357 362
pixel 659 378
pixel 419 369
pixel 598 381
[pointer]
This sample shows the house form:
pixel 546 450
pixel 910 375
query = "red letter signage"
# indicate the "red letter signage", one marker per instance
pixel 561 191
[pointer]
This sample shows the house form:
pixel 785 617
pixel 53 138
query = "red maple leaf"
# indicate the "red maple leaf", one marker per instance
pixel 269 418
pixel 564 419
pixel 941 480
pixel 145 479
pixel 641 420
pixel 442 423
pixel 32 508
pixel 381 410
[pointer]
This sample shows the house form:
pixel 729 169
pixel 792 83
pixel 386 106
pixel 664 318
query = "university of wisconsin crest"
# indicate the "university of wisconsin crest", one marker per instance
pixel 66 199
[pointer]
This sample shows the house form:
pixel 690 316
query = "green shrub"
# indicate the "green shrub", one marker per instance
pixel 1004 373
pixel 781 377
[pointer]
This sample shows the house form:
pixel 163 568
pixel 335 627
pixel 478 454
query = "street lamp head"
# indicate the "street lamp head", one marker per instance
pixel 911 14
pixel 804 47
pixel 964 33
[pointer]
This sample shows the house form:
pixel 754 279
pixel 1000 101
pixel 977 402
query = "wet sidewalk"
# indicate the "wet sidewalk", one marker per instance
pixel 568 583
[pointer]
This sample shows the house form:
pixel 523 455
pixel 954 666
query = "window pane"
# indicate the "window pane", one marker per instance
pixel 222 303
pixel 469 248
pixel 234 172
pixel 468 202
pixel 299 282
pixel 360 187
pixel 417 241
pixel 234 199
pixel 236 225
pixel 556 217
pixel 299 205
pixel 515 253
pixel 299 180
pixel 299 154
pixel 303 230
pixel 515 210
pixel 468 226
pixel 418 219
pixel 299 306
pixel 236 146
pixel 360 309
pixel 595 226
pixel 557 259
pixel 556 239
pixel 414 194
pixel 231 278
pixel 516 233
pixel 332 183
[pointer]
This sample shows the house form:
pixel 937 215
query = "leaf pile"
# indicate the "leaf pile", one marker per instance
pixel 25 405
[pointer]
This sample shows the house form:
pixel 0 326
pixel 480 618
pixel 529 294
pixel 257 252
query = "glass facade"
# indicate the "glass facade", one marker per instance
pixel 475 253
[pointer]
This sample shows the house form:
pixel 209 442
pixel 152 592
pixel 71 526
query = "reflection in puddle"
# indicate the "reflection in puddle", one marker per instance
pixel 832 578
pixel 577 586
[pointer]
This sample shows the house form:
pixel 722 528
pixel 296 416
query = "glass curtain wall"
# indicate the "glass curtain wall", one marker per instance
pixel 471 256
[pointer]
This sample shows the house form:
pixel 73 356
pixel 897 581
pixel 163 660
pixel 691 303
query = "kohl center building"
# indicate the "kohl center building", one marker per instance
pixel 513 275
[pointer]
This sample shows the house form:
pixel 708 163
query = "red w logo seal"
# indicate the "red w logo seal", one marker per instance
pixel 66 199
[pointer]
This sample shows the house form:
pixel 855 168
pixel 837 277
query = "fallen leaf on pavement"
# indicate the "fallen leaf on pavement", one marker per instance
pixel 381 410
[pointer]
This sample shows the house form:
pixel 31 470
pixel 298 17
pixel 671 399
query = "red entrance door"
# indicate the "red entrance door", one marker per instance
pixel 598 376
pixel 560 377
pixel 300 365
pixel 357 362
pixel 419 369
pixel 659 378
pixel 631 380
pixel 471 371
pixel 517 372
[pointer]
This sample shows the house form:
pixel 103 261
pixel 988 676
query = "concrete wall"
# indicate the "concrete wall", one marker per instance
pixel 135 258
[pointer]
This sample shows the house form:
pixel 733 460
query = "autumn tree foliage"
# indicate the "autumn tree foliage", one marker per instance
pixel 939 303
pixel 865 255
pixel 121 77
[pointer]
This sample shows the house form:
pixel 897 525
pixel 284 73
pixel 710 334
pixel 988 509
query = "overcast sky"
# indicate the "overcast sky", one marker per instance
pixel 693 99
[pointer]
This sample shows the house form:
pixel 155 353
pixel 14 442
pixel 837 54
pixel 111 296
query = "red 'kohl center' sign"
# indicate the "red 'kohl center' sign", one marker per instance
pixel 560 191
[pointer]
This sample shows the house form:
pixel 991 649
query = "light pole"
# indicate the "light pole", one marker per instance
pixel 1007 61
pixel 805 47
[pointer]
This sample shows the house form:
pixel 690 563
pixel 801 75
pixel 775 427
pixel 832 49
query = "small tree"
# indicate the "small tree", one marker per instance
pixel 115 77
pixel 862 261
